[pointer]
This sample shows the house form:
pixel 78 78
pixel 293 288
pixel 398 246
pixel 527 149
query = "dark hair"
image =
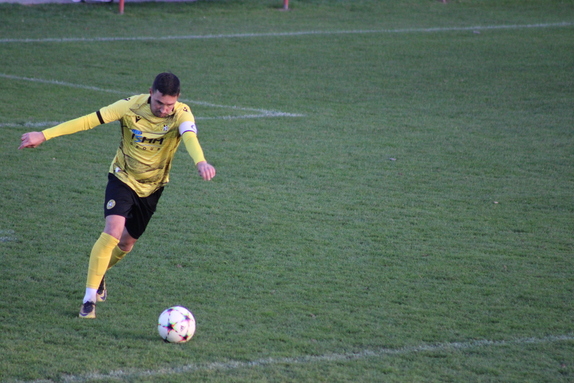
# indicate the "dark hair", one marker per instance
pixel 167 84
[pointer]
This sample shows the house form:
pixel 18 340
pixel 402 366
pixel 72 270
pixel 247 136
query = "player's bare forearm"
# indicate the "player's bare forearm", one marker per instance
pixel 206 171
pixel 31 140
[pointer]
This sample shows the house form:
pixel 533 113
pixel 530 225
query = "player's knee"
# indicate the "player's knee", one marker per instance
pixel 126 246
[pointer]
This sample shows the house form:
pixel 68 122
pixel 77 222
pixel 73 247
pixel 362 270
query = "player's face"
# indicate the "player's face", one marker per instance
pixel 161 105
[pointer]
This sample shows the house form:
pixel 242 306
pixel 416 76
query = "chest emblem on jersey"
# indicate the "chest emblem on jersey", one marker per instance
pixel 138 118
pixel 146 143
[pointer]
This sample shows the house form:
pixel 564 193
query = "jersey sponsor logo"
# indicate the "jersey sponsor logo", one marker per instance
pixel 138 118
pixel 139 138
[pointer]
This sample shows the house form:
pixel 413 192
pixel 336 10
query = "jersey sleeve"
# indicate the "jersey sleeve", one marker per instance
pixel 115 111
pixel 86 122
pixel 106 114
pixel 192 145
pixel 188 132
pixel 184 114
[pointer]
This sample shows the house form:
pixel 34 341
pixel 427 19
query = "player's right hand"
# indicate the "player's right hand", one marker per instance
pixel 31 140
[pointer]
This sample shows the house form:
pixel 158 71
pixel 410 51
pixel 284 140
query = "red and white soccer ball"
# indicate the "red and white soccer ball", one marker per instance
pixel 176 325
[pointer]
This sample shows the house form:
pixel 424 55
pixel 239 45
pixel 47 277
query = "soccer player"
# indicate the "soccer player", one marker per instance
pixel 152 127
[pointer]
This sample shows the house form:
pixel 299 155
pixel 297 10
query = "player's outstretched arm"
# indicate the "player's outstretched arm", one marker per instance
pixel 206 171
pixel 31 140
pixel 89 121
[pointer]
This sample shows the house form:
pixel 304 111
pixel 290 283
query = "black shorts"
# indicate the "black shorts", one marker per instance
pixel 122 200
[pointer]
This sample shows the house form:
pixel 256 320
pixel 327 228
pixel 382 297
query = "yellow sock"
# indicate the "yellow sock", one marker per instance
pixel 99 259
pixel 117 255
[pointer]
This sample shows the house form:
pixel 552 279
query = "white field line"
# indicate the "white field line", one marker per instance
pixel 260 113
pixel 135 374
pixel 286 34
pixel 7 236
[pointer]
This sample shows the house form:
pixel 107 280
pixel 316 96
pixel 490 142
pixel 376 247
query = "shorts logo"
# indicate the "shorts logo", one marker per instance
pixel 110 205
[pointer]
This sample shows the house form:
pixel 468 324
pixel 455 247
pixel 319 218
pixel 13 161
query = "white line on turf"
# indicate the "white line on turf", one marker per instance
pixel 135 374
pixel 7 236
pixel 261 112
pixel 286 34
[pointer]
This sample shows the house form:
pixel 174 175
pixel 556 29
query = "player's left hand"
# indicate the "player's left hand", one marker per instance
pixel 206 171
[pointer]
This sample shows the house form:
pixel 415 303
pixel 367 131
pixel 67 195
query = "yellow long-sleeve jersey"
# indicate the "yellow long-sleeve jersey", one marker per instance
pixel 148 143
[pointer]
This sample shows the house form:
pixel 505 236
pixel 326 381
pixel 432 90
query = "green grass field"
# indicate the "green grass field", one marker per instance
pixel 394 199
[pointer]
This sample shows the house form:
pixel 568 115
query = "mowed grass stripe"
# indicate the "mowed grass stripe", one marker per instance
pixel 261 112
pixel 308 359
pixel 287 34
pixel 346 246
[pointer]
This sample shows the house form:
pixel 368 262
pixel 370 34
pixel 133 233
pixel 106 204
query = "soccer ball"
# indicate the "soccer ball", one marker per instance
pixel 176 325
